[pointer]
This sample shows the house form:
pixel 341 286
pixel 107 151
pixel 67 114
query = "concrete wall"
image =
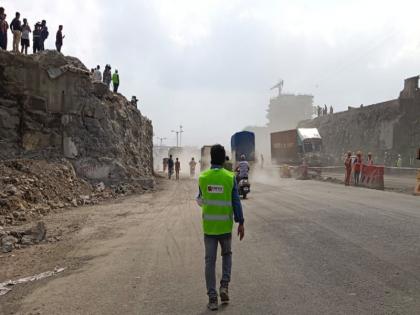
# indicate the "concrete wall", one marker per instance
pixel 50 108
pixel 385 129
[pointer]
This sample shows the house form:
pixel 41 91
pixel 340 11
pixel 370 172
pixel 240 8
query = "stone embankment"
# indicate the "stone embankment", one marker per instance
pixel 65 140
pixel 386 129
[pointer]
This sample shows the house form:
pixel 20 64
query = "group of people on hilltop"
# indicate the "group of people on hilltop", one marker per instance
pixel 21 34
pixel 107 77
pixel 323 111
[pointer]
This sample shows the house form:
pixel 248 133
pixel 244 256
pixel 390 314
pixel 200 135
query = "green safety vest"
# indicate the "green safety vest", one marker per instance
pixel 216 187
pixel 116 78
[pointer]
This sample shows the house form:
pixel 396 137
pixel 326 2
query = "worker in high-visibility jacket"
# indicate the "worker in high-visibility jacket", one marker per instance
pixel 221 206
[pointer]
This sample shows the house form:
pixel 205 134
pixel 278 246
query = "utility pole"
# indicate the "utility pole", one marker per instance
pixel 181 131
pixel 177 137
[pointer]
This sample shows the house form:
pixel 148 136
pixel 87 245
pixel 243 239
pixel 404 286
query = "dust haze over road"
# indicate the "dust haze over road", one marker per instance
pixel 310 248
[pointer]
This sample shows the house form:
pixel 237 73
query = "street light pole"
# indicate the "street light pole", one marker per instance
pixel 177 137
pixel 181 131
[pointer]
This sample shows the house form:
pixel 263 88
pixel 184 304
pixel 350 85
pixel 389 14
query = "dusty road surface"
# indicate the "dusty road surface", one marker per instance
pixel 310 248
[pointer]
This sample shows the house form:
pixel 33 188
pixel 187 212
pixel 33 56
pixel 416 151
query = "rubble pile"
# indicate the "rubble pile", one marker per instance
pixel 11 240
pixel 30 189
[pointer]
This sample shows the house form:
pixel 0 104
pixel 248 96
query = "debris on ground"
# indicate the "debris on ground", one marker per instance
pixel 6 287
pixel 15 239
pixel 31 189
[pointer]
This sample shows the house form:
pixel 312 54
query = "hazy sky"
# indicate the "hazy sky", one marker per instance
pixel 209 64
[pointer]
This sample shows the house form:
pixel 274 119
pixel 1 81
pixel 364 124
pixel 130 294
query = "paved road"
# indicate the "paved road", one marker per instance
pixel 310 248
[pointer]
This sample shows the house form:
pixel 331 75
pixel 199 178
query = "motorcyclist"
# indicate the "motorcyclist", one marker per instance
pixel 243 168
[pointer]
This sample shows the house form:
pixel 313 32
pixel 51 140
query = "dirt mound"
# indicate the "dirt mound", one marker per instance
pixel 30 189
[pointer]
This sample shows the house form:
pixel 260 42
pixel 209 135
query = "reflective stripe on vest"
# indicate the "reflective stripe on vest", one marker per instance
pixel 220 203
pixel 214 217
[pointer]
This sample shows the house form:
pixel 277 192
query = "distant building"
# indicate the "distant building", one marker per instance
pixel 284 112
pixel 287 110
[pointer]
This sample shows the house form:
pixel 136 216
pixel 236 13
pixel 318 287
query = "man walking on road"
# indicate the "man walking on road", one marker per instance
pixel 170 167
pixel 177 169
pixel 193 164
pixel 221 205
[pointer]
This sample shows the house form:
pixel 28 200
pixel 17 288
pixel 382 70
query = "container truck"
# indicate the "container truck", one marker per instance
pixel 293 146
pixel 243 143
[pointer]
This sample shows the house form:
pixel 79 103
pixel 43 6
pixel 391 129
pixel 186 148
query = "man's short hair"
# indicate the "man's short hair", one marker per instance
pixel 218 154
pixel 17 14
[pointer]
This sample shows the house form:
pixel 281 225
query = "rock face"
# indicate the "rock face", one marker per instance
pixel 50 108
pixel 386 129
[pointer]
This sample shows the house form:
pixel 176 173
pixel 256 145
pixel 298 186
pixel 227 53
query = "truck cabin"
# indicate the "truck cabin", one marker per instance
pixel 310 146
pixel 309 140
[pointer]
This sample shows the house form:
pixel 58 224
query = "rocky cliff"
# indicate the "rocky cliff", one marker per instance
pixel 50 108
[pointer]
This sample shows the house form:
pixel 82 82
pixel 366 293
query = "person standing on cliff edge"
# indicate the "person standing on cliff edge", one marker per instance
pixel 97 75
pixel 59 38
pixel 16 28
pixel 36 35
pixel 44 34
pixel 4 26
pixel 116 81
pixel 25 41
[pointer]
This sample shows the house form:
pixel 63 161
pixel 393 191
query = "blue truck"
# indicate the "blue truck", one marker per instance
pixel 243 143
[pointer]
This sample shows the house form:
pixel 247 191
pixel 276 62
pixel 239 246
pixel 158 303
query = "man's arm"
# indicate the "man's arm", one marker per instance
pixel 237 211
pixel 236 204
pixel 199 198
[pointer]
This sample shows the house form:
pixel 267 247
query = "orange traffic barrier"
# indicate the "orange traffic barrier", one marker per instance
pixel 373 176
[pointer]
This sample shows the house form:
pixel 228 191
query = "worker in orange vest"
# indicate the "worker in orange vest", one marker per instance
pixel 357 167
pixel 347 164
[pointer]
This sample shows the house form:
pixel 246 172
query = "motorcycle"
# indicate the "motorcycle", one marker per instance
pixel 244 187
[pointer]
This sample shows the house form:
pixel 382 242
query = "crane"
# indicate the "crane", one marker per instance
pixel 279 86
